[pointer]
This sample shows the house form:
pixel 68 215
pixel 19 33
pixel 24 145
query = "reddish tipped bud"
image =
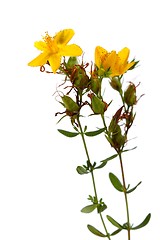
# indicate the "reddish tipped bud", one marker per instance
pixel 79 78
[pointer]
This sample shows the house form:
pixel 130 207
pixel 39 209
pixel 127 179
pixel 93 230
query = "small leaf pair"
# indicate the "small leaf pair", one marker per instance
pixel 125 226
pixel 118 185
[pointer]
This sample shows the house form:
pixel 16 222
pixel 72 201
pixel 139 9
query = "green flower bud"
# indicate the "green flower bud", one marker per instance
pixel 115 137
pixel 116 84
pixel 69 104
pixel 130 97
pixel 95 85
pixel 72 61
pixel 97 105
pixel 79 77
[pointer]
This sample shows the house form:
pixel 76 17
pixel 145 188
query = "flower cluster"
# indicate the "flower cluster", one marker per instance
pixel 83 88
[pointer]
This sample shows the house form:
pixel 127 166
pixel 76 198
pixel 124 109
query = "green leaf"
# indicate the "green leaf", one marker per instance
pixel 81 170
pixel 101 165
pixel 95 231
pixel 89 208
pixel 132 189
pixel 67 133
pixel 116 232
pixel 94 133
pixel 109 158
pixel 105 161
pixel 114 222
pixel 144 223
pixel 130 149
pixel 116 182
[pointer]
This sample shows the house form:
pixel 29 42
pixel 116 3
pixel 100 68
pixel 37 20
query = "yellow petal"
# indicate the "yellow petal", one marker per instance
pixel 110 61
pixel 40 45
pixel 64 36
pixel 100 53
pixel 124 54
pixel 40 60
pixel 55 61
pixel 71 50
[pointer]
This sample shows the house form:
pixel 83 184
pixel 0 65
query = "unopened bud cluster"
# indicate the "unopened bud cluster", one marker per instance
pixel 84 89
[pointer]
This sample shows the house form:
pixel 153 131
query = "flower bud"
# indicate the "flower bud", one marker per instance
pixel 72 61
pixel 95 85
pixel 98 106
pixel 130 95
pixel 69 104
pixel 79 77
pixel 115 136
pixel 116 84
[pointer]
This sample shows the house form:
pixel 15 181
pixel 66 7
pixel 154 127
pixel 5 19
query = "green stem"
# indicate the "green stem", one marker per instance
pixel 92 174
pixel 104 123
pixel 125 195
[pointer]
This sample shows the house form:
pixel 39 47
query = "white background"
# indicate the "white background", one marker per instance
pixel 40 192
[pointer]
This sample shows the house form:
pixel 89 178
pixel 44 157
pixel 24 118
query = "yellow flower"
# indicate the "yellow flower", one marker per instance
pixel 53 48
pixel 116 63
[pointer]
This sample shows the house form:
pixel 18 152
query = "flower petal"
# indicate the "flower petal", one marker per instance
pixel 55 61
pixel 40 60
pixel 71 50
pixel 64 36
pixel 100 53
pixel 124 54
pixel 40 45
pixel 110 61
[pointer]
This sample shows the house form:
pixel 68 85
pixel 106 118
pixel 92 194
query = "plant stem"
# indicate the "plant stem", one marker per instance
pixel 104 123
pixel 125 195
pixel 92 174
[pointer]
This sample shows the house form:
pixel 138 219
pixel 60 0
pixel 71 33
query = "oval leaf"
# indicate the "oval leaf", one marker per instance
pixel 95 231
pixel 81 170
pixel 89 208
pixel 114 222
pixel 144 223
pixel 94 133
pixel 67 133
pixel 116 182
